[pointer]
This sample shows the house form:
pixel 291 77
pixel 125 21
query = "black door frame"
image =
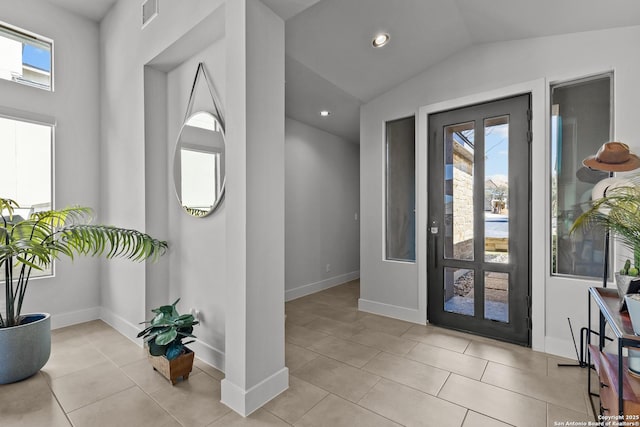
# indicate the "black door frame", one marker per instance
pixel 522 334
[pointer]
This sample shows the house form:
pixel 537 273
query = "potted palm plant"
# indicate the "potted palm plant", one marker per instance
pixel 34 243
pixel 163 339
pixel 618 211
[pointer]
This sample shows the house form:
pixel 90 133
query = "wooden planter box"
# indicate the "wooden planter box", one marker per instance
pixel 180 367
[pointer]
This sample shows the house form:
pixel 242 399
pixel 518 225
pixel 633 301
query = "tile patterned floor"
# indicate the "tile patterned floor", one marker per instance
pixel 348 368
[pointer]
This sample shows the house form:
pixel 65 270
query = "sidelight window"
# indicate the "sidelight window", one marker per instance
pixel 581 118
pixel 401 190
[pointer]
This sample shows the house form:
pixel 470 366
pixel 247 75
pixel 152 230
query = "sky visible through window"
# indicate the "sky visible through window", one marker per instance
pixel 25 58
pixel 497 152
pixel 36 57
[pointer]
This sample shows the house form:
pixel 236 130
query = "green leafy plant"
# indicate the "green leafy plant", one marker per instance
pixel 167 330
pixel 628 270
pixel 35 242
pixel 619 212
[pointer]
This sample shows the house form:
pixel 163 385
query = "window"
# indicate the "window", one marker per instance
pixel 25 58
pixel 26 172
pixel 401 190
pixel 581 117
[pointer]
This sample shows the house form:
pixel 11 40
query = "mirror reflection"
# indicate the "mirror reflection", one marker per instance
pixel 199 164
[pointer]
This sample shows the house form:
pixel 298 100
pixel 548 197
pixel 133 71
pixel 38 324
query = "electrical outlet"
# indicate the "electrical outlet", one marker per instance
pixel 195 313
pixel 328 268
pixel 355 216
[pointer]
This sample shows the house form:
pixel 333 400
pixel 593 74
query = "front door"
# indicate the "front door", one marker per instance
pixel 479 216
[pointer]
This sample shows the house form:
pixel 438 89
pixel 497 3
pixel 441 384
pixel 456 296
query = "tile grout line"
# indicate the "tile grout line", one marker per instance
pixel 104 397
pixel 66 415
pixel 521 393
pixel 135 384
pixel 163 408
pixel 108 360
pixel 262 407
pixel 478 412
pixel 466 414
pixel 442 386
pixel 409 387
pixel 417 341
pixel 511 391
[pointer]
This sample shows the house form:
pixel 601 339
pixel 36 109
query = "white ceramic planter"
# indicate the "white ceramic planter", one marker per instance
pixel 25 349
pixel 633 306
pixel 622 283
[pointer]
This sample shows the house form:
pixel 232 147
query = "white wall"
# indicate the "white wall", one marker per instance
pixel 489 69
pixel 72 295
pixel 322 199
pixel 125 49
pixel 254 333
pixel 197 258
pixel 252 252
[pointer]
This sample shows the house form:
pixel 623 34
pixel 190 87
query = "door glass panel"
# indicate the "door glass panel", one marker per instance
pixel 458 291
pixel 496 296
pixel 458 191
pixel 496 189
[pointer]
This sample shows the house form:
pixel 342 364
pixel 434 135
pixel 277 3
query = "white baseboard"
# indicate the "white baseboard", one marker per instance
pixel 208 354
pixel 388 310
pixel 312 288
pixel 121 325
pixel 244 402
pixel 74 317
pixel 560 347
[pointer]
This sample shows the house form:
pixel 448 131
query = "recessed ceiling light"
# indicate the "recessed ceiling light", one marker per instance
pixel 380 40
pixel 325 113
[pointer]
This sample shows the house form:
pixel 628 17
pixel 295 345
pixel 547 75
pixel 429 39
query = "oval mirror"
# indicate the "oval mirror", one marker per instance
pixel 199 164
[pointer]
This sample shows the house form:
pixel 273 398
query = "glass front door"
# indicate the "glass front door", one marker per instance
pixel 479 219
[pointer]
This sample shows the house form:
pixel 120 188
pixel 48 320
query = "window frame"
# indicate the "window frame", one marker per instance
pixel 38 39
pixel 610 74
pixel 41 120
pixel 385 246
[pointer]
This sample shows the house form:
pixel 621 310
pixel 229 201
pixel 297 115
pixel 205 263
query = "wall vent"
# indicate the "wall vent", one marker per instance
pixel 149 11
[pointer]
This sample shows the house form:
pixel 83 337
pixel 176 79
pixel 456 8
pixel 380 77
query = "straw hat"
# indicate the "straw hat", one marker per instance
pixel 600 189
pixel 613 157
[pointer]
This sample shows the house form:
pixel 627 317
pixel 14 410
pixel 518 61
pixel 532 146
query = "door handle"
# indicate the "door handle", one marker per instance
pixel 433 229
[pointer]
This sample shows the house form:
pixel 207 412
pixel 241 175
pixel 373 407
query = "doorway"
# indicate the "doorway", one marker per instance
pixel 479 219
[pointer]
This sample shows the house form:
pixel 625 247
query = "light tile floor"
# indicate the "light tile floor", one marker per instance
pixel 348 368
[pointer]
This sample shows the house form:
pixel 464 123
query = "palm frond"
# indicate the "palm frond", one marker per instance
pixel 64 217
pixel 618 212
pixel 35 242
pixel 116 242
pixel 8 205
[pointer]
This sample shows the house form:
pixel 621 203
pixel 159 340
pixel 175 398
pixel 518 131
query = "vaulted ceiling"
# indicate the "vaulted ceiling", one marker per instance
pixel 331 64
pixel 92 9
pixel 332 40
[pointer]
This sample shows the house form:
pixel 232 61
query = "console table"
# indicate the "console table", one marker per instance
pixel 619 390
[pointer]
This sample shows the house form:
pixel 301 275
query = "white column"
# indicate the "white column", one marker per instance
pixel 254 318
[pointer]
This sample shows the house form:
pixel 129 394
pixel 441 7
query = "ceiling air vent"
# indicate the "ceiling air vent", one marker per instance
pixel 149 11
